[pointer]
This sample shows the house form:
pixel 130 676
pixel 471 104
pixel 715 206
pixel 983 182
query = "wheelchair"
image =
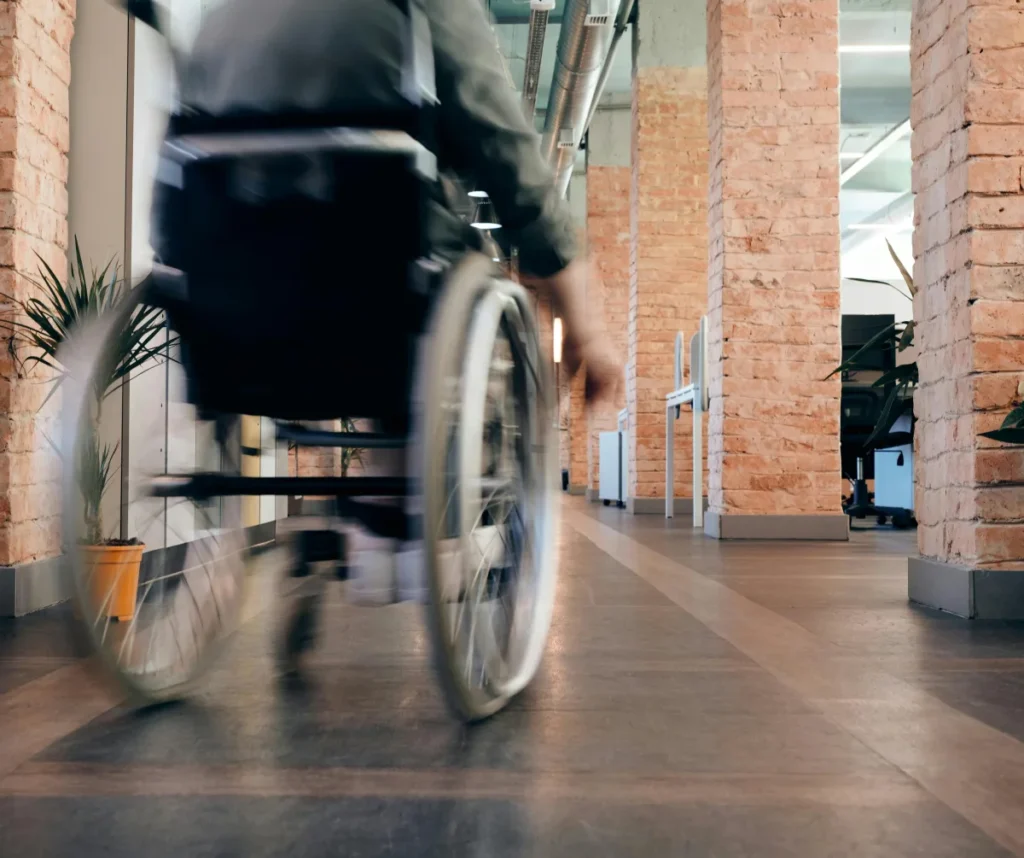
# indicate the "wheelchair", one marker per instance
pixel 296 283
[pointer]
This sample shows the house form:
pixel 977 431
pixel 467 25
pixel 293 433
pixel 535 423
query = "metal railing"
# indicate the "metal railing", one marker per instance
pixel 694 394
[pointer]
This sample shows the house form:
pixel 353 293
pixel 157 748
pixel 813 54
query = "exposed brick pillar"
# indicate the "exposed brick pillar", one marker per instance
pixel 968 121
pixel 774 320
pixel 578 434
pixel 668 201
pixel 576 422
pixel 609 180
pixel 35 71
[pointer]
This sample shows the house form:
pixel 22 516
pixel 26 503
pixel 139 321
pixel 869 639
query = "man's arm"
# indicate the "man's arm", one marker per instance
pixel 486 135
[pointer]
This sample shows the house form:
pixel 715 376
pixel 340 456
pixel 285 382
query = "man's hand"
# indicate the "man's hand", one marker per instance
pixel 584 344
pixel 602 366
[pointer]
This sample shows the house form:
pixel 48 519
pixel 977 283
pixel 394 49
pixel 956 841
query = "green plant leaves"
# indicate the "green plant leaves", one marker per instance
pixel 903 374
pixel 903 271
pixel 890 413
pixel 1012 430
pixel 51 316
pixel 852 363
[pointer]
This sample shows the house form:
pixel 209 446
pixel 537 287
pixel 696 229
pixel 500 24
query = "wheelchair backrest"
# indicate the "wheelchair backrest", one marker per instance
pixel 287 242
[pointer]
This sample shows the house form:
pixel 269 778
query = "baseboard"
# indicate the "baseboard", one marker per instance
pixel 30 587
pixel 577 491
pixel 656 506
pixel 823 528
pixel 974 594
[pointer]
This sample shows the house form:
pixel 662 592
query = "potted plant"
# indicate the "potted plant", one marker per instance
pixel 900 380
pixel 37 330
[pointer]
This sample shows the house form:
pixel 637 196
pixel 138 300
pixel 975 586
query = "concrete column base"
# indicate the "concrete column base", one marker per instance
pixel 822 528
pixel 656 506
pixel 975 594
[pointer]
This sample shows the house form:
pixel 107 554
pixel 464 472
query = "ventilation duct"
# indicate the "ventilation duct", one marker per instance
pixel 587 29
pixel 539 12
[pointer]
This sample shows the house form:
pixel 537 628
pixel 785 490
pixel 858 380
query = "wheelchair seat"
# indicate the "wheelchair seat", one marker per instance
pixel 290 265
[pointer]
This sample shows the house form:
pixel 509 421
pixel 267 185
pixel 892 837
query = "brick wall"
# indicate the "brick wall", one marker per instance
pixel 578 431
pixel 668 260
pixel 35 70
pixel 608 241
pixel 967 115
pixel 774 257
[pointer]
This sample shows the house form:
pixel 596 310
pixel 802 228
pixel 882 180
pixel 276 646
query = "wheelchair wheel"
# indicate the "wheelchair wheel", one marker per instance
pixel 155 629
pixel 489 470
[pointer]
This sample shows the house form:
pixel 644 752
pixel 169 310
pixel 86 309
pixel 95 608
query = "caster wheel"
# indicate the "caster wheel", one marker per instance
pixel 300 632
pixel 882 520
pixel 902 522
pixel 607 503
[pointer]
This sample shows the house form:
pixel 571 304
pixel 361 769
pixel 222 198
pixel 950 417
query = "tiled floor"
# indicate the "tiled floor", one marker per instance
pixel 697 699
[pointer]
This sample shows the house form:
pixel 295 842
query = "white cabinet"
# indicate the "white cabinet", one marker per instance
pixel 613 466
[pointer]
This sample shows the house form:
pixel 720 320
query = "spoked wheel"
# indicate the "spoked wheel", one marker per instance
pixel 488 481
pixel 155 628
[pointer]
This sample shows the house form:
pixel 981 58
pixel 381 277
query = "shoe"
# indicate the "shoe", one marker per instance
pixel 371 569
pixel 412 584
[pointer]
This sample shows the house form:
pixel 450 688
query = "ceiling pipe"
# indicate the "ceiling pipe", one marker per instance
pixel 587 31
pixel 621 25
pixel 540 11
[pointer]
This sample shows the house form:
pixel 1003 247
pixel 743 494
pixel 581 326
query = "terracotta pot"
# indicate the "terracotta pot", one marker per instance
pixel 113 567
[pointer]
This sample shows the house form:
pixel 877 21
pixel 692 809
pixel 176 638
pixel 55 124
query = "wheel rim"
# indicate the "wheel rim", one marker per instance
pixel 493 590
pixel 186 599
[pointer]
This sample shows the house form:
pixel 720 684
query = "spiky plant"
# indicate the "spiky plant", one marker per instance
pixel 900 380
pixel 39 328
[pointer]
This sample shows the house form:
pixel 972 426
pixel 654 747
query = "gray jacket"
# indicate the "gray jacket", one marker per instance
pixel 337 55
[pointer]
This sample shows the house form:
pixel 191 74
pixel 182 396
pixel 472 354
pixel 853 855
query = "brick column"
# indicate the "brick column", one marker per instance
pixel 668 264
pixel 609 180
pixel 35 70
pixel 968 121
pixel 774 321
pixel 576 420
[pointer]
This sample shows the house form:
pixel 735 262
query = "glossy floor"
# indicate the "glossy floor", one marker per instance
pixel 698 699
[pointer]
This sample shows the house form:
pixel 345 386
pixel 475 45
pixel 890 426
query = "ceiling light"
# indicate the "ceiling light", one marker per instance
pixel 905 226
pixel 484 217
pixel 874 49
pixel 557 338
pixel 479 195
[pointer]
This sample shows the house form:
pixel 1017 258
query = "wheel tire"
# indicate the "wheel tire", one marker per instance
pixel 195 609
pixel 459 327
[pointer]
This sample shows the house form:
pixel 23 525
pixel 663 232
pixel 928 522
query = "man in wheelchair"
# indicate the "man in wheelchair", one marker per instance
pixel 311 269
pixel 287 58
pixel 338 57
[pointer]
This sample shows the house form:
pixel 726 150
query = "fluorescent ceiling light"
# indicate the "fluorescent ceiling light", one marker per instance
pixel 557 340
pixel 880 148
pixel 905 226
pixel 480 195
pixel 874 49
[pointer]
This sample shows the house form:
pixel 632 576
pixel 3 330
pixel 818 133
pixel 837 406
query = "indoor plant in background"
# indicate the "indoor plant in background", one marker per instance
pixel 37 328
pixel 901 380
